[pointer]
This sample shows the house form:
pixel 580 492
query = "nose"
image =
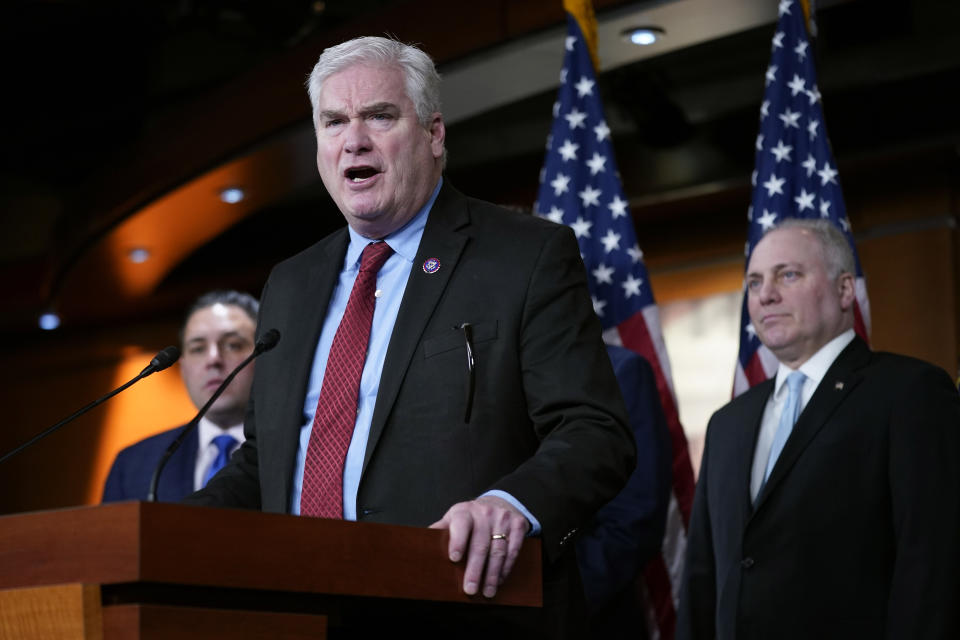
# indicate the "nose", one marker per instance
pixel 769 293
pixel 357 139
pixel 213 357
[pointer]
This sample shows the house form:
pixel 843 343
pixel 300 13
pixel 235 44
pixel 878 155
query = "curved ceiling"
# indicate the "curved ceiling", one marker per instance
pixel 130 121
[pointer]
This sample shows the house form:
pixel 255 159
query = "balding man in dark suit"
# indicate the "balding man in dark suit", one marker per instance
pixel 828 498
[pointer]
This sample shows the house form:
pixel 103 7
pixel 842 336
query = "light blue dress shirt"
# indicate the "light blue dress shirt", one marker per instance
pixel 391 282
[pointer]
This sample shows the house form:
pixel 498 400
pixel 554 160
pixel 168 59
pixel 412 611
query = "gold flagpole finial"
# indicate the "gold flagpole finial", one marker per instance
pixel 582 11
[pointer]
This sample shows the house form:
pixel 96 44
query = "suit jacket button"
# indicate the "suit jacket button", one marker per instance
pixel 746 563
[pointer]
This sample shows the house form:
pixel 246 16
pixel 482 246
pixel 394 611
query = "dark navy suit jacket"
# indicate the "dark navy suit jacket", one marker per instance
pixel 628 531
pixel 130 475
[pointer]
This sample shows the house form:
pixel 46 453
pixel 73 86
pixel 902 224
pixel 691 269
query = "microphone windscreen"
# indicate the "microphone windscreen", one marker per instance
pixel 268 340
pixel 164 358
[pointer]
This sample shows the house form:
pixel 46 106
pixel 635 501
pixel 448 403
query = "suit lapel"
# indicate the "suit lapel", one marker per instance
pixel 841 378
pixel 309 308
pixel 441 240
pixel 747 441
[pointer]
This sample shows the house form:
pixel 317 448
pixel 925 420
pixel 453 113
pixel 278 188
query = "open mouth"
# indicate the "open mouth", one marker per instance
pixel 359 174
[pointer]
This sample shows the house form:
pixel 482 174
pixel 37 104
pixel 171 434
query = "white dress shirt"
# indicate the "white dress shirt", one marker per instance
pixel 814 369
pixel 207 451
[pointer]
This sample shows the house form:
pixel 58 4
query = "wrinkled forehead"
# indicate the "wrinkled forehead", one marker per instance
pixel 362 84
pixel 785 246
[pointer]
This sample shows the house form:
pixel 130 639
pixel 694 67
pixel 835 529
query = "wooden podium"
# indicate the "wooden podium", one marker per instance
pixel 143 570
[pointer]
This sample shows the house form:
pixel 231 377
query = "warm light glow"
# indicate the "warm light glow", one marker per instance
pixel 155 404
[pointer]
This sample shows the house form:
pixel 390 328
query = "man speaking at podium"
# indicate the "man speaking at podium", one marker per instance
pixel 440 362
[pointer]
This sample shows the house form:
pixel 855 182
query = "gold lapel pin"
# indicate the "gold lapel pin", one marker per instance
pixel 838 386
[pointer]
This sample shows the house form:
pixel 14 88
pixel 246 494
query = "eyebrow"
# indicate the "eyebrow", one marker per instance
pixel 228 334
pixel 780 266
pixel 376 107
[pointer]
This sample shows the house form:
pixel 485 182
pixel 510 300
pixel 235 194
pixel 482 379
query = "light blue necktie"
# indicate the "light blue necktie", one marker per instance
pixel 788 418
pixel 224 444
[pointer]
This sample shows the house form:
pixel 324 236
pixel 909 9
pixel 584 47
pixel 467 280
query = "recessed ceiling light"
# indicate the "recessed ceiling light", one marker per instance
pixel 643 36
pixel 49 321
pixel 232 195
pixel 138 255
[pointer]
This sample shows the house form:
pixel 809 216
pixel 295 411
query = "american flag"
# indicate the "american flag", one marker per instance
pixel 795 174
pixel 580 187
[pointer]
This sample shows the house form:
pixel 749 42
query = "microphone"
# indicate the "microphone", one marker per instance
pixel 161 361
pixel 267 341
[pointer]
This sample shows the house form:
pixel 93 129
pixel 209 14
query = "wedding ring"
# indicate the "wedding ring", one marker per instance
pixel 498 536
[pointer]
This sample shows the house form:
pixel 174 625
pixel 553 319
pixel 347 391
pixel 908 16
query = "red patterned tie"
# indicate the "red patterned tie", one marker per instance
pixel 336 415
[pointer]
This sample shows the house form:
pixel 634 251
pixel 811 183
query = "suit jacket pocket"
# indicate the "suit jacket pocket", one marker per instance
pixel 454 338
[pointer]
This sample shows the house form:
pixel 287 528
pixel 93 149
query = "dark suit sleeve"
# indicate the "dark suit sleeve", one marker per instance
pixel 924 472
pixel 628 531
pixel 113 487
pixel 698 593
pixel 586 450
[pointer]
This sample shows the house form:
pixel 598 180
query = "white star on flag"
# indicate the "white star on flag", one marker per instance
pixel 596 164
pixel 771 73
pixel 774 185
pixel 581 227
pixel 797 85
pixel 631 286
pixel 603 274
pixel 590 196
pixel 611 241
pixel 804 200
pixel 598 305
pixel 617 206
pixel 568 151
pixel 575 118
pixel 781 151
pixel 767 220
pixel 790 118
pixel 827 174
pixel 584 87
pixel 602 131
pixel 559 184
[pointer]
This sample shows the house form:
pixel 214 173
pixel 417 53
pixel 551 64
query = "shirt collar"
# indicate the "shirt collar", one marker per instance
pixel 208 431
pixel 815 368
pixel 404 241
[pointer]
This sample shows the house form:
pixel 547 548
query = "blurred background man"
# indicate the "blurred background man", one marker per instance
pixel 216 336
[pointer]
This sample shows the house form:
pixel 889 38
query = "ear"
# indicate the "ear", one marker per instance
pixel 847 290
pixel 438 134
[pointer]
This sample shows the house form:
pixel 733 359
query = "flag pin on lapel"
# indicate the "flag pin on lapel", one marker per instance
pixel 838 386
pixel 431 265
